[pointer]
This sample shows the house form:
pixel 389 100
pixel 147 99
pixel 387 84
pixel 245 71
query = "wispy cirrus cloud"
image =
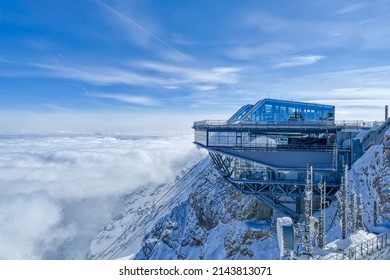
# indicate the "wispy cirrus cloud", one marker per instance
pixel 350 8
pixel 363 77
pixel 96 74
pixel 129 99
pixel 205 87
pixel 138 31
pixel 351 102
pixel 194 75
pixel 295 61
pixel 143 74
pixel 266 50
pixel 138 28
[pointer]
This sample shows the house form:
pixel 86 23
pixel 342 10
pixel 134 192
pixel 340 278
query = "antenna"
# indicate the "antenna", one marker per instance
pixel 354 211
pixel 311 191
pixel 308 211
pixel 343 203
pixel 321 226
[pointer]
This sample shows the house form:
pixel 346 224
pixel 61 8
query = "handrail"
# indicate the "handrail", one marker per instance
pixel 375 136
pixel 363 249
pixel 358 123
pixel 209 123
pixel 354 123
pixel 270 146
pixel 262 123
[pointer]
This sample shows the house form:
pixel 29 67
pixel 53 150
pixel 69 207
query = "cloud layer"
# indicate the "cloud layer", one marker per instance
pixel 59 190
pixel 299 61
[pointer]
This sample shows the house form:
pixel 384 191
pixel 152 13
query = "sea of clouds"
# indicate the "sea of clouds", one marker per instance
pixel 58 190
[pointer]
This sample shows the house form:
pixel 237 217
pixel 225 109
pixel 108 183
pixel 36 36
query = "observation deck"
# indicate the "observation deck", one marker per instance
pixel 265 149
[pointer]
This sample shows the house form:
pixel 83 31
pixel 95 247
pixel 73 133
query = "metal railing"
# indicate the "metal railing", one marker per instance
pixel 292 122
pixel 358 123
pixel 346 123
pixel 374 137
pixel 362 250
pixel 242 123
pixel 209 123
pixel 274 146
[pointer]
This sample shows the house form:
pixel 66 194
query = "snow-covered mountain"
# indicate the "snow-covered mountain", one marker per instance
pixel 201 216
pixel 370 177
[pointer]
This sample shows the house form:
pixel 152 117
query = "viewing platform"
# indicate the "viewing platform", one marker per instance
pixel 265 149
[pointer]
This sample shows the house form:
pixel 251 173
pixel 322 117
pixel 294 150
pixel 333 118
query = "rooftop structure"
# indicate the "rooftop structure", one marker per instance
pixel 266 149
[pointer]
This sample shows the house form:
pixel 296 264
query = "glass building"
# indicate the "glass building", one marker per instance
pixel 266 149
pixel 280 110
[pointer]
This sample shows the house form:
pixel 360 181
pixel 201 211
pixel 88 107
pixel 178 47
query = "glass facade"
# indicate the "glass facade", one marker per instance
pixel 201 137
pixel 288 127
pixel 287 140
pixel 240 113
pixel 278 110
pixel 243 169
pixel 222 138
pixel 267 147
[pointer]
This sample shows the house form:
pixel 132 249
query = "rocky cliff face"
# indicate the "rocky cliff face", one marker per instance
pixel 370 176
pixel 215 222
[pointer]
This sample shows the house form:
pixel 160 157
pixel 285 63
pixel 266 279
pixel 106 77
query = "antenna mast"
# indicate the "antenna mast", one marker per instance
pixel 308 201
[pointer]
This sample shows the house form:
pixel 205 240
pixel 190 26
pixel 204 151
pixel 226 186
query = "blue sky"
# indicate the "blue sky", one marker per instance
pixel 140 64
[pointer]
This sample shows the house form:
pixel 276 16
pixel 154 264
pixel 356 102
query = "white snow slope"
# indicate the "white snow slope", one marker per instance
pixel 204 217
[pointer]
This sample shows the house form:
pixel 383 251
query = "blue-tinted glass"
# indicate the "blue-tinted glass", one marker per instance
pixel 277 110
pixel 240 113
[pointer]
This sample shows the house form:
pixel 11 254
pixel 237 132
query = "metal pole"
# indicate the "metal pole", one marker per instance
pixel 311 191
pixel 359 223
pixel 307 213
pixel 321 228
pixel 354 211
pixel 344 211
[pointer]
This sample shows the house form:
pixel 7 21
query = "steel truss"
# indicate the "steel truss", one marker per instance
pixel 285 197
